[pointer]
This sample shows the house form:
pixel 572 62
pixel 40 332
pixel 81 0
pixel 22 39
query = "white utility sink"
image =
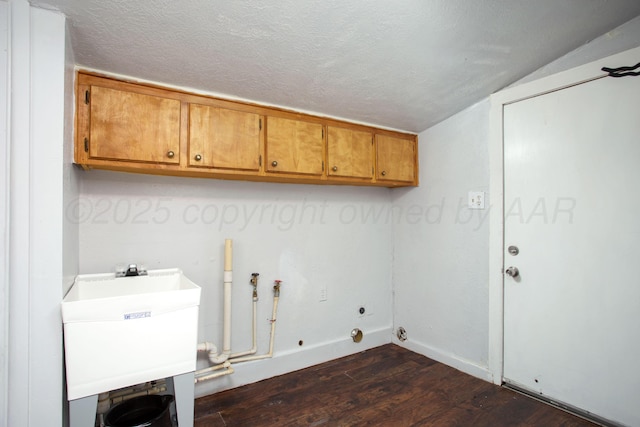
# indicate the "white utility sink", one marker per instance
pixel 121 331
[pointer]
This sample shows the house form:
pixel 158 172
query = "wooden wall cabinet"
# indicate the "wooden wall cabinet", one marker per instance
pixel 133 127
pixel 395 159
pixel 294 146
pixel 224 139
pixel 349 153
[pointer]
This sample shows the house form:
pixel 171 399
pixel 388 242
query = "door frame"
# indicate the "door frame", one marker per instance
pixel 562 80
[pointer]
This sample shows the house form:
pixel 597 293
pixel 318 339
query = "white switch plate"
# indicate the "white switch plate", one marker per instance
pixel 476 199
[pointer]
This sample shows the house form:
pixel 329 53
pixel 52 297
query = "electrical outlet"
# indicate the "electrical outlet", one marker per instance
pixel 323 293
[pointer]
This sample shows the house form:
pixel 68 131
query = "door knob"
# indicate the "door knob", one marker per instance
pixel 512 271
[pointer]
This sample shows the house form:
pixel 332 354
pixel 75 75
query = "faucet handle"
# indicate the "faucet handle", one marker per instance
pixel 254 279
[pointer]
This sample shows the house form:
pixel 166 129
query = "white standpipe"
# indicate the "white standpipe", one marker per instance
pixel 214 357
pixel 228 280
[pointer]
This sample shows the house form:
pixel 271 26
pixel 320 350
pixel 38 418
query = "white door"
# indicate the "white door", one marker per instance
pixel 572 208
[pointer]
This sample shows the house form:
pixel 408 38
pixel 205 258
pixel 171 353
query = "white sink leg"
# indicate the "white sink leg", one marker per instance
pixel 82 412
pixel 182 387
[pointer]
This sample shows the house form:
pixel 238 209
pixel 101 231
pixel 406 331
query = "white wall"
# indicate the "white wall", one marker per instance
pixel 305 235
pixel 441 258
pixel 441 263
pixel 37 118
pixel 625 37
pixel 46 215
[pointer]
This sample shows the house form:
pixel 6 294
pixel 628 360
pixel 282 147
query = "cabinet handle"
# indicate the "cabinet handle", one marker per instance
pixel 335 169
pixel 383 173
pixel 170 154
pixel 198 157
pixel 274 163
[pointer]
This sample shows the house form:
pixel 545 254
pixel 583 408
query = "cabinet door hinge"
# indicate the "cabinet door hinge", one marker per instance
pixel 86 145
pixel 260 124
pixel 323 133
pixel 260 161
pixel 87 97
pixel 323 166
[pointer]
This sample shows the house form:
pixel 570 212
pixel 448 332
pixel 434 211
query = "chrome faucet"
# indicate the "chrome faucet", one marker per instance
pixel 131 271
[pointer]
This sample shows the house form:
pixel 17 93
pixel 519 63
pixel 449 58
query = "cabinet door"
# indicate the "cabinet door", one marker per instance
pixel 132 126
pixel 349 153
pixel 223 138
pixel 294 146
pixel 395 159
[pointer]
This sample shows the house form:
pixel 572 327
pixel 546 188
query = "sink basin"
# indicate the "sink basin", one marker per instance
pixel 121 331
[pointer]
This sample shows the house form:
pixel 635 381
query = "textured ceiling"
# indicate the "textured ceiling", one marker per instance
pixel 400 64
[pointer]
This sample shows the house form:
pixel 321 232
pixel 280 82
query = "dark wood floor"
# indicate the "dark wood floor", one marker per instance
pixel 385 386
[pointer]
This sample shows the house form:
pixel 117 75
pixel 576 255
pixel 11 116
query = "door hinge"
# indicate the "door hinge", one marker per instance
pixel 322 132
pixel 323 166
pixel 260 124
pixel 260 160
pixel 87 97
pixel 86 145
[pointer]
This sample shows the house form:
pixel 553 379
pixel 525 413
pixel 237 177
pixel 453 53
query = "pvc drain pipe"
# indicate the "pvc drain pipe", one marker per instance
pixel 222 362
pixel 212 349
pixel 214 357
pixel 228 280
pixel 225 368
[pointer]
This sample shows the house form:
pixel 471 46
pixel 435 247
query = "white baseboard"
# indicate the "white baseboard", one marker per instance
pixel 293 360
pixel 448 358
